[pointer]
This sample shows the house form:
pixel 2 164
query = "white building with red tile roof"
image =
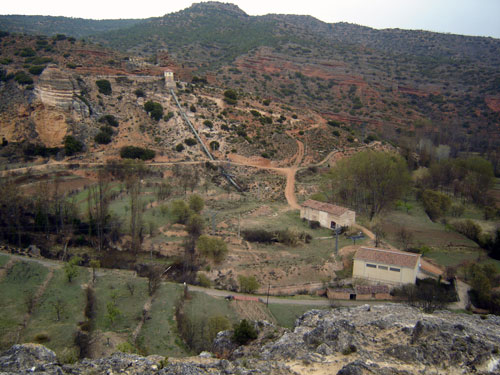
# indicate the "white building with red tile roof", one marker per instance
pixel 328 215
pixel 388 266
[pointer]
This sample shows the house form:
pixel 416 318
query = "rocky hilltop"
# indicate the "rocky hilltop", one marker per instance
pixel 387 339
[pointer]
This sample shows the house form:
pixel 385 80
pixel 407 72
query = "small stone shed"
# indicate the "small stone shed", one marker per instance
pixel 360 292
pixel 328 215
pixel 388 266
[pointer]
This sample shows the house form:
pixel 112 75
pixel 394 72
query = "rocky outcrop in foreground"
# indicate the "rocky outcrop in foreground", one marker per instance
pixel 386 340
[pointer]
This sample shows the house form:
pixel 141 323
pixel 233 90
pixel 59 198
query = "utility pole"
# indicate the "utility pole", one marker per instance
pixel 268 288
pixel 337 230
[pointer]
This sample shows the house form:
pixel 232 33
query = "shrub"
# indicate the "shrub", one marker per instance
pixel 230 97
pixel 212 247
pixel 468 228
pixel 154 109
pixel 204 281
pixel 180 211
pixel 190 141
pixel 72 145
pixel 214 145
pixel 255 113
pixel 244 332
pixel 192 108
pixel 314 224
pixel 196 203
pixel 102 138
pixel 139 93
pixel 248 284
pixel 209 124
pixel 36 70
pixel 27 52
pixel 266 102
pixel 104 86
pixel 179 147
pixel 168 116
pixel 23 78
pixel 41 338
pixel 258 235
pixel 133 152
pixel 436 204
pixel 109 119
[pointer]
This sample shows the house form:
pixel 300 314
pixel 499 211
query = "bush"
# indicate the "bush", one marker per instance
pixel 139 93
pixel 179 147
pixel 109 119
pixel 23 78
pixel 27 52
pixel 468 228
pixel 36 70
pixel 168 116
pixel 204 281
pixel 196 203
pixel 190 141
pixel 314 224
pixel 41 338
pixel 334 123
pixel 209 124
pixel 258 235
pixel 72 145
pixel 266 102
pixel 244 332
pixel 214 145
pixel 436 204
pixel 230 97
pixel 102 138
pixel 154 109
pixel 248 284
pixel 180 211
pixel 212 247
pixel 133 152
pixel 104 86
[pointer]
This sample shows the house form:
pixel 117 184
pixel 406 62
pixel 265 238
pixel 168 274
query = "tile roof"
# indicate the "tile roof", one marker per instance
pixel 390 257
pixel 325 207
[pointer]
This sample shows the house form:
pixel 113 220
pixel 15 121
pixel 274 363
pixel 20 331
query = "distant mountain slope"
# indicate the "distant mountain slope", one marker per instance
pixel 47 25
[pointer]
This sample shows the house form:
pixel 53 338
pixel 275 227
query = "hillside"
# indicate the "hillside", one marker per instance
pixel 405 86
pixel 48 25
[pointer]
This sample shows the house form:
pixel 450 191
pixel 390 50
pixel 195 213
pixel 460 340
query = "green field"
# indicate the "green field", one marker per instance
pixel 287 314
pixel 60 332
pixel 20 283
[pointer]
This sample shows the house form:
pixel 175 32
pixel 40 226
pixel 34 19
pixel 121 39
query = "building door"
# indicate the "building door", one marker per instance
pixel 333 224
pixel 352 297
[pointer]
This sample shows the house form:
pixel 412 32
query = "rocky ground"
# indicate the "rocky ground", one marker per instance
pixel 390 340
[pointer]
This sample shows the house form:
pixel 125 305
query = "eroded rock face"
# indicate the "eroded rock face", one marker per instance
pixel 55 88
pixel 382 340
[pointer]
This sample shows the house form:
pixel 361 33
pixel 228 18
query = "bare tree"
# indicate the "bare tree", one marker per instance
pixel 405 237
pixel 99 199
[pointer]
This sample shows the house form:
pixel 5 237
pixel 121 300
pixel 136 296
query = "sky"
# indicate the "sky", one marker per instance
pixel 467 17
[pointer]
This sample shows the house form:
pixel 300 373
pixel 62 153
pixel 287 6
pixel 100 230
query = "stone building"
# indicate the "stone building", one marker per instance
pixel 388 266
pixel 360 292
pixel 169 78
pixel 328 215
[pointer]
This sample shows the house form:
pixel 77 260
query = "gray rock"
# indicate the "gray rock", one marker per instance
pixel 26 357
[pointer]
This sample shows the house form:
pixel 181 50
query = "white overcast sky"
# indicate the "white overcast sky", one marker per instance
pixel 469 17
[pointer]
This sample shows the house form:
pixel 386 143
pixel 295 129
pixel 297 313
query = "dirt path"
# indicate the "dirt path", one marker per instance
pixel 145 312
pixel 5 269
pixel 463 296
pixel 33 302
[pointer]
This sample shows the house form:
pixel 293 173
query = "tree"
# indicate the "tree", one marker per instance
pixel 212 247
pixel 72 145
pixel 248 284
pixel 214 145
pixel 195 226
pixel 436 204
pixel 94 263
pixel 230 97
pixel 244 332
pixel 98 204
pixel 154 278
pixel 154 109
pixel 180 211
pixel 104 86
pixel 405 237
pixel 196 203
pixel 134 173
pixel 71 268
pixel 370 181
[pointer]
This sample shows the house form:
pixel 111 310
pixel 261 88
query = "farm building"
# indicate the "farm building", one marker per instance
pixel 328 215
pixel 360 292
pixel 388 266
pixel 169 78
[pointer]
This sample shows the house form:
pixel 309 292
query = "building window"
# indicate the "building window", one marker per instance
pixel 371 265
pixel 395 269
pixel 383 268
